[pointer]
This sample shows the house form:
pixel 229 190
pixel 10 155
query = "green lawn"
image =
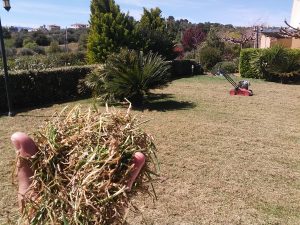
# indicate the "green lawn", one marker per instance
pixel 224 159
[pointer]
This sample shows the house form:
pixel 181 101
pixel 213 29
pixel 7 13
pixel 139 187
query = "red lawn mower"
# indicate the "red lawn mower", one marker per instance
pixel 241 88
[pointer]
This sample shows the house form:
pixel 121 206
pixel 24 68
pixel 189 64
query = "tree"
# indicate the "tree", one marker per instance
pixel 6 32
pixel 54 48
pixel 289 31
pixel 239 37
pixel 40 38
pixel 151 34
pixel 209 56
pixel 192 37
pixel 213 40
pixel 109 30
pixel 82 42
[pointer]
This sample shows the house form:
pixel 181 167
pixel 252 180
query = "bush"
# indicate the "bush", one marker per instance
pixel 25 51
pixel 54 48
pixel 10 52
pixel 209 57
pixel 273 64
pixel 225 67
pixel 42 62
pixel 39 50
pixel 246 68
pixel 130 75
pixel 32 88
pixel 183 68
pixel 231 51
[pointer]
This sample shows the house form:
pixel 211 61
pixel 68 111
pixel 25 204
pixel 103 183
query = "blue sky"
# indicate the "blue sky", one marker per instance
pixel 34 13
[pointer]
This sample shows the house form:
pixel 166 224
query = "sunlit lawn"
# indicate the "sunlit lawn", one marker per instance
pixel 224 159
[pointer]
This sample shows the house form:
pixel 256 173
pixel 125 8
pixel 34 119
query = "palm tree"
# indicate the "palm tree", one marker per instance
pixel 130 75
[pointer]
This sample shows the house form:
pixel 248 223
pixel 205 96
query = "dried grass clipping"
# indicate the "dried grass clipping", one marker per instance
pixel 82 167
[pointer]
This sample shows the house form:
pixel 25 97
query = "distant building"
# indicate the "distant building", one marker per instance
pixel 79 26
pixel 41 28
pixel 271 37
pixel 53 27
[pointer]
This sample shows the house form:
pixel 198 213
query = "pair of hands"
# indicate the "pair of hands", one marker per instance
pixel 26 147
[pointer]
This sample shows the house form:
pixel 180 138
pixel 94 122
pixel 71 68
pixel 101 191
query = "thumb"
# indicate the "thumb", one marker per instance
pixel 25 147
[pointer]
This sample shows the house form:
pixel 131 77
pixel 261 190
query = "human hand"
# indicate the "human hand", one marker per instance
pixel 26 147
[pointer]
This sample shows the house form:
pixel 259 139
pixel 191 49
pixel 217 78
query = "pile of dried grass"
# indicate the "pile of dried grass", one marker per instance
pixel 82 167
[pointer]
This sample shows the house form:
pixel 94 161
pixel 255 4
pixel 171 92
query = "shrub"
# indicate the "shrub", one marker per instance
pixel 42 62
pixel 273 64
pixel 54 48
pixel 231 51
pixel 279 63
pixel 246 68
pixel 32 88
pixel 39 50
pixel 25 51
pixel 129 75
pixel 10 52
pixel 225 67
pixel 209 56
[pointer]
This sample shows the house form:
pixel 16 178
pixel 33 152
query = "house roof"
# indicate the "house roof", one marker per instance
pixel 272 32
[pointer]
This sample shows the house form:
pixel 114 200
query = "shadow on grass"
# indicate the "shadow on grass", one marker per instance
pixel 155 102
pixel 20 111
pixel 165 102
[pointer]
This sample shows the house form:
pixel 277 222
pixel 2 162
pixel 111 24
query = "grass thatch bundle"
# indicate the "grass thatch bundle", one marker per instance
pixel 82 168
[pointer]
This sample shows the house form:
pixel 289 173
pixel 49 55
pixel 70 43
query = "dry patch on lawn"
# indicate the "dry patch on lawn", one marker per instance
pixel 224 159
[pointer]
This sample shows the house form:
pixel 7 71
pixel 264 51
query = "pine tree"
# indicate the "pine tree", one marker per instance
pixel 152 35
pixel 109 30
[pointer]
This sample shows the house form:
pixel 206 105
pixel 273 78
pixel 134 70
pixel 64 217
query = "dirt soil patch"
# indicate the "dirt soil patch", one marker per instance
pixel 224 159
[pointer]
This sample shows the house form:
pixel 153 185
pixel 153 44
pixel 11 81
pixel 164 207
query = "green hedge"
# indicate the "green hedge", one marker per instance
pixel 183 68
pixel 276 64
pixel 245 67
pixel 33 88
pixel 41 62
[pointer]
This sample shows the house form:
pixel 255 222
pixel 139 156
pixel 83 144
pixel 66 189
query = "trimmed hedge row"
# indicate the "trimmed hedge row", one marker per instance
pixel 42 62
pixel 183 68
pixel 276 64
pixel 32 88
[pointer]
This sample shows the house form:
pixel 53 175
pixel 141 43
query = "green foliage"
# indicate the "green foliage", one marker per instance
pixel 32 88
pixel 27 41
pixel 209 56
pixel 273 64
pixel 82 42
pixel 9 43
pixel 152 36
pixel 129 75
pixel 231 51
pixel 246 68
pixel 54 48
pixel 109 30
pixel 30 44
pixel 25 52
pixel 225 67
pixel 10 52
pixel 5 32
pixel 42 62
pixel 214 41
pixel 40 38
